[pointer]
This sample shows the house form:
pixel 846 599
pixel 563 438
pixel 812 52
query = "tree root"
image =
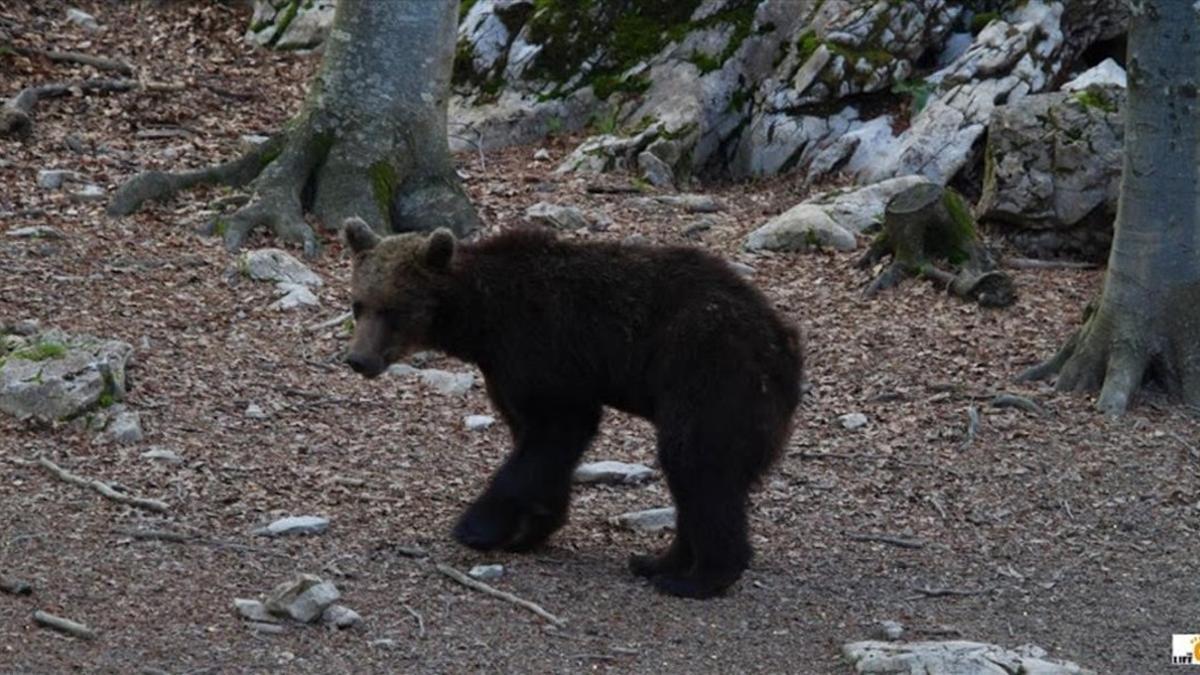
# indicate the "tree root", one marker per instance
pixel 16 115
pixel 104 489
pixel 97 62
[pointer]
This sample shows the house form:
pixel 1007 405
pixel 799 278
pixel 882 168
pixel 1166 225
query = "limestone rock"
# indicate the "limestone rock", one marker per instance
pixel 650 520
pixel 447 383
pixel 277 265
pixel 82 19
pixel 340 616
pixel 953 658
pixel 853 421
pixel 56 376
pixel 613 473
pixel 290 24
pixel 294 296
pixel 479 422
pixel 486 572
pixel 295 525
pixel 1107 73
pixel 125 428
pixel 253 610
pixel 303 598
pixel 557 216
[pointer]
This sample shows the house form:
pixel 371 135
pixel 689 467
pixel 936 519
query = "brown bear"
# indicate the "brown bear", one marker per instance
pixel 561 329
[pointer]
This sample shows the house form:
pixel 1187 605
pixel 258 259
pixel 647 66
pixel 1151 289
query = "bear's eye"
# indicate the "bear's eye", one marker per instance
pixel 357 309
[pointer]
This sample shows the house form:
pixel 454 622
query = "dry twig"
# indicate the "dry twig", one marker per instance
pixel 894 540
pixel 497 593
pixel 103 488
pixel 64 625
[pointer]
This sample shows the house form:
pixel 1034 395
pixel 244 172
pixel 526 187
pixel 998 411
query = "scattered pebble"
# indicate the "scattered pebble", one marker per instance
pixel 650 520
pixel 486 572
pixel 277 265
pixel 557 216
pixel 742 268
pixel 88 193
pixel 253 610
pixel 126 428
pixel 853 421
pixel 264 627
pixel 447 383
pixel 294 296
pixel 613 473
pixel 889 630
pixel 254 412
pixel 541 155
pixel 36 232
pixel 53 179
pixel 162 455
pixel 82 19
pixel 340 616
pixel 479 422
pixel 295 525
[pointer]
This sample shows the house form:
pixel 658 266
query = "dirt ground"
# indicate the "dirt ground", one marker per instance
pixel 1066 530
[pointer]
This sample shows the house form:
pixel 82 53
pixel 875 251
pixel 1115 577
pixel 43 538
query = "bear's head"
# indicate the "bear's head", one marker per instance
pixel 394 290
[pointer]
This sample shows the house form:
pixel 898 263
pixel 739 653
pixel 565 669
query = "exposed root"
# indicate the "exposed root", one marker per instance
pixel 16 115
pixel 104 489
pixel 160 185
pixel 97 62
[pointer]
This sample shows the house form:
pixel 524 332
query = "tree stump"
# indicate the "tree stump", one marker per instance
pixel 926 224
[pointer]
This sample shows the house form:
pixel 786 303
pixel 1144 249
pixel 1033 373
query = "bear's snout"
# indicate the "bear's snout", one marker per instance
pixel 367 366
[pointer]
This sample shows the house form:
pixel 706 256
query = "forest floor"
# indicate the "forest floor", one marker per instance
pixel 1068 530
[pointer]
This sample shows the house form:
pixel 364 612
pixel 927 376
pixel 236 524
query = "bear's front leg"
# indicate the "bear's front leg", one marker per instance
pixel 527 499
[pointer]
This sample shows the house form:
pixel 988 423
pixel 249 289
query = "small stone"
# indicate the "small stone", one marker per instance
pixel 126 428
pixel 656 172
pixel 295 525
pixel 542 155
pixel 692 203
pixel 53 179
pixel 612 473
pixel 853 421
pixel 82 19
pixel 889 630
pixel 269 628
pixel 88 193
pixel 35 232
pixel 486 572
pixel 479 422
pixel 650 520
pixel 303 598
pixel 254 412
pixel 447 383
pixel 340 616
pixel 294 296
pixel 162 455
pixel 742 268
pixel 402 369
pixel 251 141
pixel 272 264
pixel 25 327
pixel 253 610
pixel 554 215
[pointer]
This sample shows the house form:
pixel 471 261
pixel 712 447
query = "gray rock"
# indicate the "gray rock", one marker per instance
pixel 889 630
pixel 23 327
pixel 542 155
pixel 486 572
pixel 253 610
pixel 402 369
pixel 276 24
pixel 650 520
pixel 87 193
pixel 656 172
pixel 53 179
pixel 292 525
pixel 953 658
pixel 741 268
pixel 554 215
pixel 853 421
pixel 613 473
pixel 340 616
pixel 255 412
pixel 268 628
pixel 1054 161
pixel 82 19
pixel 692 203
pixel 479 422
pixel 125 428
pixel 447 383
pixel 56 376
pixel 303 598
pixel 35 232
pixel 829 219
pixel 162 455
pixel 276 265
pixel 1107 73
pixel 294 296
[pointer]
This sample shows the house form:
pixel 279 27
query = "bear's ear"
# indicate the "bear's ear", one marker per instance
pixel 359 235
pixel 439 249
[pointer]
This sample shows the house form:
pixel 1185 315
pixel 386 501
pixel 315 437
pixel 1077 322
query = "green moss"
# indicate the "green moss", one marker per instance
pixel 955 244
pixel 348 325
pixel 704 62
pixel 384 181
pixel 607 85
pixel 106 400
pixel 981 20
pixel 739 100
pixel 464 8
pixel 916 89
pixel 1093 97
pixel 285 20
pixel 806 45
pixel 41 351
pixel 220 226
pixel 876 57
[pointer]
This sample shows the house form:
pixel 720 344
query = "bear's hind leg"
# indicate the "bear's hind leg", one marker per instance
pixel 528 497
pixel 676 559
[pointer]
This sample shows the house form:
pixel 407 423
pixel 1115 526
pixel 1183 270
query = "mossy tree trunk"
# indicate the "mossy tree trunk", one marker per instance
pixel 370 140
pixel 1146 324
pixel 927 225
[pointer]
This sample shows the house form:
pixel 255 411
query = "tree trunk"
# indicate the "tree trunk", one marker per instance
pixel 1146 325
pixel 370 140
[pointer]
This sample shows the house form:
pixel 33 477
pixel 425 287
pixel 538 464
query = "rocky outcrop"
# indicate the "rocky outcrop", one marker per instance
pixel 1053 171
pixel 290 24
pixel 53 376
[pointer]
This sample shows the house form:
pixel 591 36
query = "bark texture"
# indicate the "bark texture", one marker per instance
pixel 370 140
pixel 1146 325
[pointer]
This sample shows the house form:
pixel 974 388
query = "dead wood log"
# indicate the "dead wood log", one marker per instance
pixel 16 115
pixel 927 225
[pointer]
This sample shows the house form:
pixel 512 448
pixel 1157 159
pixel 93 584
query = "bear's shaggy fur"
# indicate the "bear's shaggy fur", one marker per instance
pixel 561 329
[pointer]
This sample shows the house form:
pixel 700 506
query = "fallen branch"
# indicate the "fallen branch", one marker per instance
pixel 185 538
pixel 64 625
pixel 973 424
pixel 16 115
pixel 891 539
pixel 928 592
pixel 98 62
pixel 420 621
pixel 330 323
pixel 1034 264
pixel 103 488
pixel 1020 402
pixel 497 593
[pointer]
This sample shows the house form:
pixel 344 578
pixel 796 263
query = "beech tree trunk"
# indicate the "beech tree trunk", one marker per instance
pixel 1146 324
pixel 370 140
